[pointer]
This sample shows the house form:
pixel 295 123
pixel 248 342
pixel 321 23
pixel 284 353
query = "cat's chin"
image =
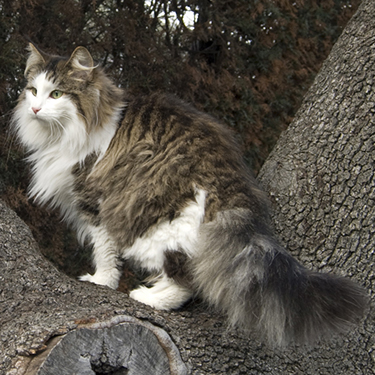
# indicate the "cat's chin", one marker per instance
pixel 38 132
pixel 41 124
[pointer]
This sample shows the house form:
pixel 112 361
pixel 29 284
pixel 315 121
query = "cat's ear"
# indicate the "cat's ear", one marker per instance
pixel 80 64
pixel 35 58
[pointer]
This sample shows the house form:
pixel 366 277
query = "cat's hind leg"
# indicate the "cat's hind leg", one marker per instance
pixel 106 260
pixel 165 294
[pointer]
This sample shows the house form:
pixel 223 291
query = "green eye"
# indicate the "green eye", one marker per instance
pixel 56 94
pixel 33 91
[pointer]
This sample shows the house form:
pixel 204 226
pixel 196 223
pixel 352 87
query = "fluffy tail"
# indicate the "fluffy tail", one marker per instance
pixel 250 277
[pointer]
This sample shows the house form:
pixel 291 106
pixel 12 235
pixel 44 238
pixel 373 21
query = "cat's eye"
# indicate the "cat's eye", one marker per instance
pixel 33 91
pixel 56 94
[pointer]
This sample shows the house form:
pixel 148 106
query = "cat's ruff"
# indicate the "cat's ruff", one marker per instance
pixel 155 181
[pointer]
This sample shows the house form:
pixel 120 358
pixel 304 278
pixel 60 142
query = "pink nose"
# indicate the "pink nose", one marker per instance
pixel 36 110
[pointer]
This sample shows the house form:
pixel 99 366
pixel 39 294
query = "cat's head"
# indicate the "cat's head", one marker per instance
pixel 65 99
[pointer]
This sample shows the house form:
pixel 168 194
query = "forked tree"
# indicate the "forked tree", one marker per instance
pixel 320 178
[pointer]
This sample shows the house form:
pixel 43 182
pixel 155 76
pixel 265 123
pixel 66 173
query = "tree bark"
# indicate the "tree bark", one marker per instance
pixel 320 175
pixel 320 178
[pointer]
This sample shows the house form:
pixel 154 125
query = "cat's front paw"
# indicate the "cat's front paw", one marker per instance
pixel 101 279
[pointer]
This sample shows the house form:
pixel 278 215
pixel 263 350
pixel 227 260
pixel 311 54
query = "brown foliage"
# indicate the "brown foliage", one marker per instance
pixel 248 63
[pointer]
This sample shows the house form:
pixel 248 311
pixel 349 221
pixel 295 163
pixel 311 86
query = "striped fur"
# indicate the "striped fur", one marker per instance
pixel 167 188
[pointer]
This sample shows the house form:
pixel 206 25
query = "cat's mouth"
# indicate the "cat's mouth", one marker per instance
pixel 40 118
pixel 40 115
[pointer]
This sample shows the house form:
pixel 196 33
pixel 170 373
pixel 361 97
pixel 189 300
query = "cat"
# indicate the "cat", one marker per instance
pixel 153 180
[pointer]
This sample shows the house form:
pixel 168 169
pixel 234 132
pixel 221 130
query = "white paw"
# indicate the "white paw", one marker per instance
pixel 162 296
pixel 108 279
pixel 142 294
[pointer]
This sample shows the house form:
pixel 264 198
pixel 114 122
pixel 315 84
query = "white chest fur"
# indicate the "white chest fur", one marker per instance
pixel 52 180
pixel 57 138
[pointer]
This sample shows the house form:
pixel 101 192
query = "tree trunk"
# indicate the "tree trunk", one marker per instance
pixel 321 181
pixel 320 175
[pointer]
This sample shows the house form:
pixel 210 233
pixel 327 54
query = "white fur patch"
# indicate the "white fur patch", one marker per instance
pixel 165 294
pixel 180 233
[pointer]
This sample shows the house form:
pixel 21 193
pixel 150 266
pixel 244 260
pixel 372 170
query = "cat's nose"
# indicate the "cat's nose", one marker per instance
pixel 36 110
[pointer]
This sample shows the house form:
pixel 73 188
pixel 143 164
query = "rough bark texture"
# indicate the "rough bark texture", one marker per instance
pixel 321 174
pixel 321 180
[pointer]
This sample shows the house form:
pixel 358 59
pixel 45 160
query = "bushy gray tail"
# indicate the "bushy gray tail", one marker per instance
pixel 244 272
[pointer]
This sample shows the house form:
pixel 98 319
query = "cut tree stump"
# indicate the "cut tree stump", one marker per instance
pixel 121 345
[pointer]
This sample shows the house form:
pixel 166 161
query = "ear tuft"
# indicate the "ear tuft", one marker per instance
pixel 81 63
pixel 35 58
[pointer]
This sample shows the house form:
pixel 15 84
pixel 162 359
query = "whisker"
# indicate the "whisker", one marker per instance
pixel 80 114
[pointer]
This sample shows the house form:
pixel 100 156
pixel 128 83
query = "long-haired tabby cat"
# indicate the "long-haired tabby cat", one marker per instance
pixel 153 180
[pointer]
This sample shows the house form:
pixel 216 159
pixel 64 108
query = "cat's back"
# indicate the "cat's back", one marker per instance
pixel 166 120
pixel 165 141
pixel 162 131
pixel 163 153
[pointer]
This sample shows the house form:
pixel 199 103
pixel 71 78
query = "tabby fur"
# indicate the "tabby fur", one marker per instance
pixel 153 180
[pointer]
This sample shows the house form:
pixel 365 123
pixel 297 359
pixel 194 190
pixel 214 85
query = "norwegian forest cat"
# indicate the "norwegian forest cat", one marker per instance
pixel 152 180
